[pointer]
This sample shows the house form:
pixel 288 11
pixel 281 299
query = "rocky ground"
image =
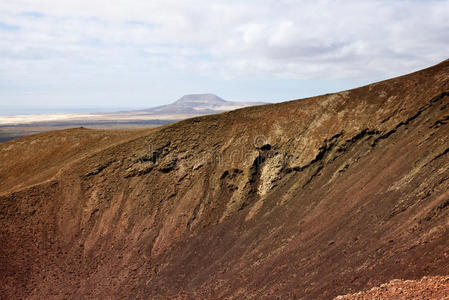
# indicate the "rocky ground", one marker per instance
pixel 436 287
pixel 307 199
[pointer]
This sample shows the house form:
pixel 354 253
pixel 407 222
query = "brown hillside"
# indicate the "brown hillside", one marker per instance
pixel 31 160
pixel 308 199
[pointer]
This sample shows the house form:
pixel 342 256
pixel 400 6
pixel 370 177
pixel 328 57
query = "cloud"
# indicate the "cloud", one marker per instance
pixel 44 41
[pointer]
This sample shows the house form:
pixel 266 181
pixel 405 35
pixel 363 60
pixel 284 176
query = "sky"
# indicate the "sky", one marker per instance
pixel 136 53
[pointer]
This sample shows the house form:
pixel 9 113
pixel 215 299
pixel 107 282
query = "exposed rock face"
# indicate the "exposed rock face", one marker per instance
pixel 309 199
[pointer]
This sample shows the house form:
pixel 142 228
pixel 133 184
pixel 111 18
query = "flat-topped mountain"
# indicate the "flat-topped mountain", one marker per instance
pixel 306 199
pixel 197 99
pixel 198 104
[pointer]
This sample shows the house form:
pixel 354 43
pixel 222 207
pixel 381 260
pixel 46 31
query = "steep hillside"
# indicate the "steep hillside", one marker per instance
pixel 309 199
pixel 34 159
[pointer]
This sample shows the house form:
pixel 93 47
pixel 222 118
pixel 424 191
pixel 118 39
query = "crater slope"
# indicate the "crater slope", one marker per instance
pixel 308 199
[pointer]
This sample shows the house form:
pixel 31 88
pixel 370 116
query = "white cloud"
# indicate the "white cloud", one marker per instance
pixel 50 41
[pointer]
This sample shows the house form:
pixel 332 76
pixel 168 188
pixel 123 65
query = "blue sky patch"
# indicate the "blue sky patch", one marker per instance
pixel 33 14
pixel 8 27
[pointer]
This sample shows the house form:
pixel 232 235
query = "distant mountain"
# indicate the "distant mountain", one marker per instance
pixel 187 106
pixel 198 104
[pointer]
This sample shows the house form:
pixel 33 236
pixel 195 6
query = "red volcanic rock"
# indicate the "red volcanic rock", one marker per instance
pixel 427 288
pixel 307 199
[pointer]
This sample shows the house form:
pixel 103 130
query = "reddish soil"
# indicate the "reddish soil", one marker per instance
pixel 427 288
pixel 307 199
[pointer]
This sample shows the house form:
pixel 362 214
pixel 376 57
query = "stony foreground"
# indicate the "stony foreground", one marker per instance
pixel 427 288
